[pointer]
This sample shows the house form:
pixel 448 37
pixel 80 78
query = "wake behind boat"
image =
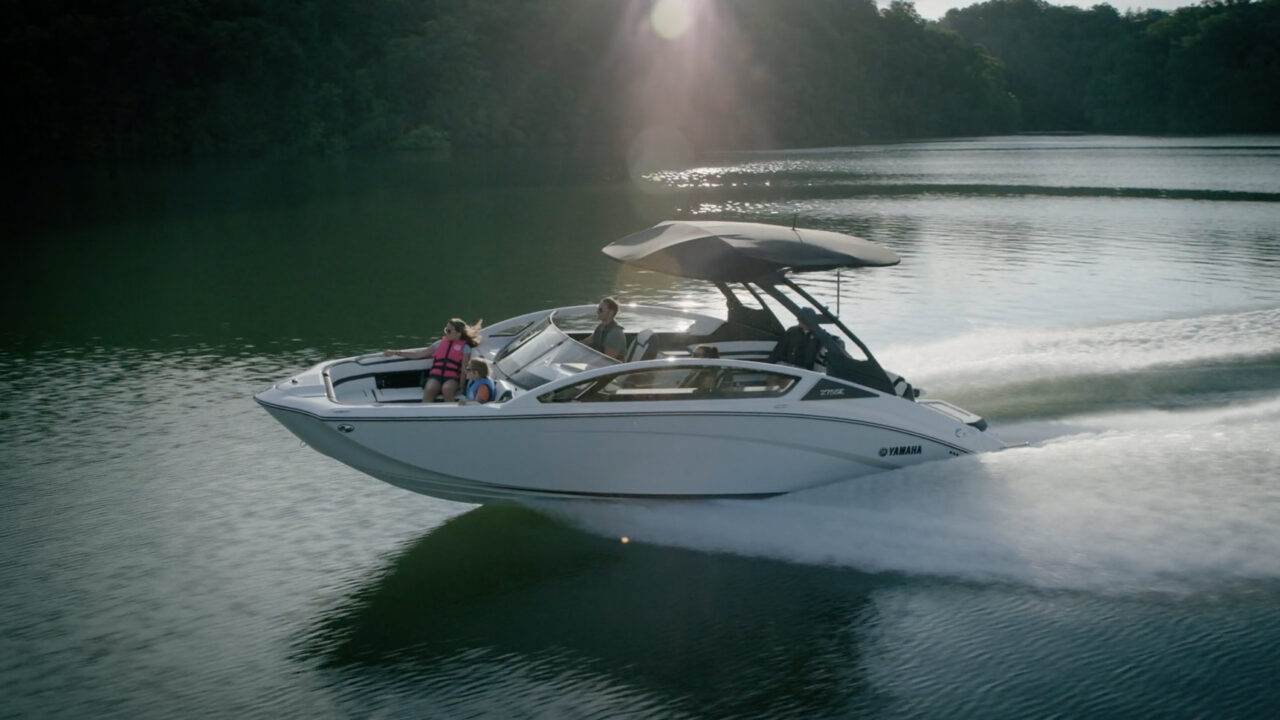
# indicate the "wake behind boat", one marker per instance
pixel 571 422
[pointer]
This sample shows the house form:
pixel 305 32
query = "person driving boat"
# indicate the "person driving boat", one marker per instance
pixel 608 337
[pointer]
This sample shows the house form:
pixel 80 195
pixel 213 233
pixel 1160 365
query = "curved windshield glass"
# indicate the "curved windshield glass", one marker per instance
pixel 544 353
pixel 530 332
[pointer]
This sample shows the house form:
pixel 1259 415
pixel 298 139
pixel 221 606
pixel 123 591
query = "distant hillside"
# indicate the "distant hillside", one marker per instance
pixel 142 79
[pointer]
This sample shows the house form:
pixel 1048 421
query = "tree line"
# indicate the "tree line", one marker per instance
pixel 102 80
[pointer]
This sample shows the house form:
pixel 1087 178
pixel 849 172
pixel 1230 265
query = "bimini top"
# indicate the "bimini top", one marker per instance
pixel 743 251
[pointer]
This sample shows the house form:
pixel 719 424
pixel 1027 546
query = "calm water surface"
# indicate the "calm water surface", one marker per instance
pixel 168 551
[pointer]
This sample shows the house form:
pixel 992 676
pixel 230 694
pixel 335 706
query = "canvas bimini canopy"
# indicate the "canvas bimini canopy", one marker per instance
pixel 762 255
pixel 743 251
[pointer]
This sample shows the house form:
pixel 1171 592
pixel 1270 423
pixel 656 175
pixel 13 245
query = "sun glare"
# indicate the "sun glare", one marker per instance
pixel 687 83
pixel 671 18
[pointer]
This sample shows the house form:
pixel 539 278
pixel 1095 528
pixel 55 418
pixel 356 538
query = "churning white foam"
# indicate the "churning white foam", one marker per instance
pixel 1005 356
pixel 1134 501
pixel 1146 508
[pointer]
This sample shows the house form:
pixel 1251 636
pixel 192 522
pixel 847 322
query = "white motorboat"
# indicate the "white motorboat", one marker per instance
pixel 573 423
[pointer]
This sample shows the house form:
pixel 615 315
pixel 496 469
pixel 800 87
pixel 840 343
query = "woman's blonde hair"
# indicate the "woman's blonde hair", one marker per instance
pixel 469 333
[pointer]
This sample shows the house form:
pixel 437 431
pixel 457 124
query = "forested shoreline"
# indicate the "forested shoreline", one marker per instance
pixel 123 80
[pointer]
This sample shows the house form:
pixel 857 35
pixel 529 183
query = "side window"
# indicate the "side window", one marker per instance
pixel 751 384
pixel 674 383
pixel 686 382
pixel 569 393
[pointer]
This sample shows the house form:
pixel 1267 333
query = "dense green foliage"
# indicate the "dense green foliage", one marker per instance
pixel 130 79
pixel 1211 68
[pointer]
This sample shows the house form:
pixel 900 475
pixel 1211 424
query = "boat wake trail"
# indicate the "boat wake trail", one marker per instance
pixel 1020 374
pixel 1146 507
pixel 1171 489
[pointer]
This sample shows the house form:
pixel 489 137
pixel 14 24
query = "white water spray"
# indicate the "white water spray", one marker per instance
pixel 1133 501
pixel 1002 357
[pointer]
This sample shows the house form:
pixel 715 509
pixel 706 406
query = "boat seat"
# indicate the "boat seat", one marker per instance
pixel 639 346
pixel 398 395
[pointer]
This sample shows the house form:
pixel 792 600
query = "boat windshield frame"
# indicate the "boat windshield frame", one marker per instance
pixel 543 353
pixel 818 317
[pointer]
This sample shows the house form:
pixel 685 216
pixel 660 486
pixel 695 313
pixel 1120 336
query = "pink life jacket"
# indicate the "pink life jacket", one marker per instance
pixel 446 361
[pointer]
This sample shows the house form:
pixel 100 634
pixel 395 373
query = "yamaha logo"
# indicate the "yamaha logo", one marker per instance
pixel 900 450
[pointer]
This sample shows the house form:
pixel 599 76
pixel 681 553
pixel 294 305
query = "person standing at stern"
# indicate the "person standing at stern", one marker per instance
pixel 798 346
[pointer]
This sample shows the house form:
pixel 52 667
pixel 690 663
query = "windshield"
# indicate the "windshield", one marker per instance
pixel 543 353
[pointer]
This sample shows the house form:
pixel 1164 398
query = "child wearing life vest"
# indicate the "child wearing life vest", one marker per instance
pixel 479 389
pixel 449 355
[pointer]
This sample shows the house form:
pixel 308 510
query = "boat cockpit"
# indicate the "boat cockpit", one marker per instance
pixel 530 351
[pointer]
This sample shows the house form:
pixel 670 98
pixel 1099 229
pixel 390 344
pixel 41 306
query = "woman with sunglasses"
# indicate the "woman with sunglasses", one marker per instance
pixel 449 355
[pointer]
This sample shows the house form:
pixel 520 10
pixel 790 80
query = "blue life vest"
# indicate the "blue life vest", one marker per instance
pixel 473 387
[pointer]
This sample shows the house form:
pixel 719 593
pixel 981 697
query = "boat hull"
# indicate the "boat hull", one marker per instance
pixel 479 454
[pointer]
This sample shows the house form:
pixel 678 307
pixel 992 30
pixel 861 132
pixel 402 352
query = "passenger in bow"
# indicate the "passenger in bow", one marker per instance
pixel 449 355
pixel 480 388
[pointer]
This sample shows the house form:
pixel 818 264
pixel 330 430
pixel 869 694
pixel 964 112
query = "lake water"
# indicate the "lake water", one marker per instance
pixel 167 550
